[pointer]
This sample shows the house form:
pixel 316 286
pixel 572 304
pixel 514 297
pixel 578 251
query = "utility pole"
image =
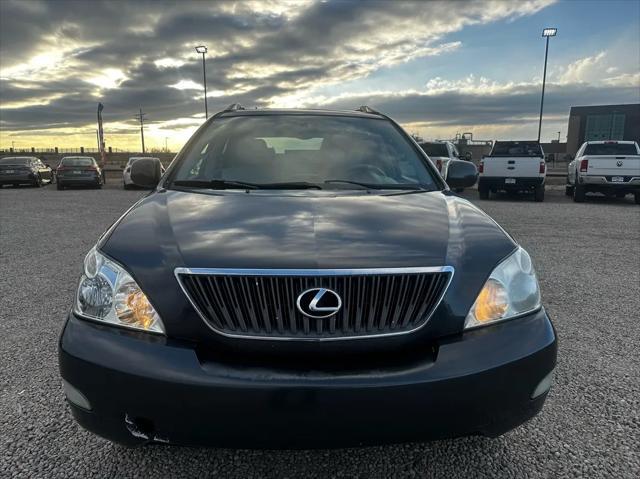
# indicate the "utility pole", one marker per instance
pixel 546 33
pixel 140 117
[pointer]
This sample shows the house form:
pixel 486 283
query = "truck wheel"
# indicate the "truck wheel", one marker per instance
pixel 620 194
pixel 483 191
pixel 578 194
pixel 568 190
pixel 538 194
pixel 636 197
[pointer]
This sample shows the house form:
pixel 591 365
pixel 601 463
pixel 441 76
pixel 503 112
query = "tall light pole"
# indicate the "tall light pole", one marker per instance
pixel 546 33
pixel 202 49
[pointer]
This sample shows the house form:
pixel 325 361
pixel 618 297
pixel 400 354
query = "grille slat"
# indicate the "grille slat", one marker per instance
pixel 263 304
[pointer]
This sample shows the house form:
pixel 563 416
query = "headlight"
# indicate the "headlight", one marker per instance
pixel 511 290
pixel 107 293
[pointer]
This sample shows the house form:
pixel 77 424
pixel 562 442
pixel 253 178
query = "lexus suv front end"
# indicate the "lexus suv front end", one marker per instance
pixel 303 278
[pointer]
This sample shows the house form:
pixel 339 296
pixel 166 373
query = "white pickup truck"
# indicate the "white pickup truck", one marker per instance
pixel 513 166
pixel 609 167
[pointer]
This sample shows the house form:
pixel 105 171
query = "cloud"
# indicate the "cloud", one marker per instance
pixel 58 59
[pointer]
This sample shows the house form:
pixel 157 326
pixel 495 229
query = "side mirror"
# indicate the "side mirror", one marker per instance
pixel 145 172
pixel 461 174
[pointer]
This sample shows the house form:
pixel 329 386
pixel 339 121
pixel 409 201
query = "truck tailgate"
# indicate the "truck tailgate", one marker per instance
pixel 512 167
pixel 609 165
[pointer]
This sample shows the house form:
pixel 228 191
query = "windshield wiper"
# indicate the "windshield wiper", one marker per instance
pixel 373 186
pixel 218 184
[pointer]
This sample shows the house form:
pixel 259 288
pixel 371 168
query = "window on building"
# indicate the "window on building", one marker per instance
pixel 605 127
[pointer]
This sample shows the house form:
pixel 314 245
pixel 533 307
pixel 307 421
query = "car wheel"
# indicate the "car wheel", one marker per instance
pixel 483 191
pixel 620 194
pixel 538 194
pixel 579 194
pixel 568 190
pixel 636 197
pixel 125 186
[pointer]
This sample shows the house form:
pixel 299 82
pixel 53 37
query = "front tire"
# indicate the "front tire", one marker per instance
pixel 538 194
pixel 579 194
pixel 568 190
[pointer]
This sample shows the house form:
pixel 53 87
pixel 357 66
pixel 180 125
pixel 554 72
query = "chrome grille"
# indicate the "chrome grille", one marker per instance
pixel 262 303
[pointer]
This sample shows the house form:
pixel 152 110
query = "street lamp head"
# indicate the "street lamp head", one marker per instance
pixel 549 32
pixel 201 49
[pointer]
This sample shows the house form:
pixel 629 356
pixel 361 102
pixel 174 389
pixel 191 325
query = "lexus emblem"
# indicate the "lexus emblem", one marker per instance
pixel 619 163
pixel 319 303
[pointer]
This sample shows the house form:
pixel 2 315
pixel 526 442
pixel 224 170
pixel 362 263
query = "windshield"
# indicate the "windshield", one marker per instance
pixel 435 149
pixel 312 150
pixel 611 149
pixel 517 148
pixel 15 161
pixel 77 162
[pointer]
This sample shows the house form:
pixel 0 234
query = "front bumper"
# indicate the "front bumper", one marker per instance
pixel 146 388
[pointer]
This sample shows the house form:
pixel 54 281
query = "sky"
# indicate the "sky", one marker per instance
pixel 438 68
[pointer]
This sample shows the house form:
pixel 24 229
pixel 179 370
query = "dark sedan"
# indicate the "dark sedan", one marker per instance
pixel 20 170
pixel 304 279
pixel 79 171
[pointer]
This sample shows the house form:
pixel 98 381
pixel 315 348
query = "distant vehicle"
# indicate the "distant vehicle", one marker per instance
pixel 20 170
pixel 609 167
pixel 442 153
pixel 79 171
pixel 513 166
pixel 126 174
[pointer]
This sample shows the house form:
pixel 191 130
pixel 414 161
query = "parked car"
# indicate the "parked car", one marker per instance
pixel 513 166
pixel 304 278
pixel 20 170
pixel 79 171
pixel 608 167
pixel 441 153
pixel 126 173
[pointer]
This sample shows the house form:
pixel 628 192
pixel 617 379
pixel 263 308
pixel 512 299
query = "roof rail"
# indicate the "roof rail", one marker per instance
pixel 234 107
pixel 366 109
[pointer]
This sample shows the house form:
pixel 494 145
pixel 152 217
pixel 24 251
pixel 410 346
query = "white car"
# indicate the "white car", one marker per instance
pixel 609 167
pixel 441 153
pixel 126 174
pixel 513 166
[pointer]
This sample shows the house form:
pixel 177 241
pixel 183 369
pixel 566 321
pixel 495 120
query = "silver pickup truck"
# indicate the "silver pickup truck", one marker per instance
pixel 608 167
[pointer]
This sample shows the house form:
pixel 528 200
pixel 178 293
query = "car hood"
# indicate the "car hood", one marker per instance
pixel 315 230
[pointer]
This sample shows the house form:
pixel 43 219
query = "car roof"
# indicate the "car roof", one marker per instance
pixel 18 158
pixel 78 158
pixel 297 111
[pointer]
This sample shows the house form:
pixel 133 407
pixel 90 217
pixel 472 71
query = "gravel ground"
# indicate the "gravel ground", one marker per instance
pixel 588 260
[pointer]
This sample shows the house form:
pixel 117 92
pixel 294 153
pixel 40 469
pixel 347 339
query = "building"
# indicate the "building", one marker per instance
pixel 602 122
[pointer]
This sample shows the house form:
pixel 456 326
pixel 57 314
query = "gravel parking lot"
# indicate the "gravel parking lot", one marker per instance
pixel 588 261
